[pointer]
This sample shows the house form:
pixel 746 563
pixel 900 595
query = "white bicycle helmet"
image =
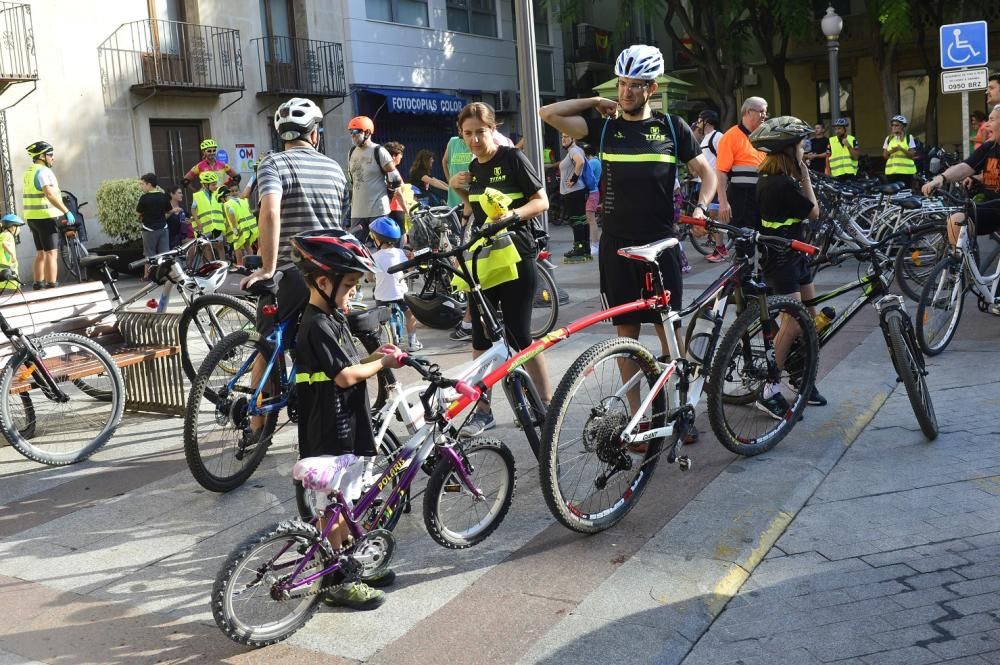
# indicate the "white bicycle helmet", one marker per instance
pixel 640 61
pixel 901 119
pixel 296 118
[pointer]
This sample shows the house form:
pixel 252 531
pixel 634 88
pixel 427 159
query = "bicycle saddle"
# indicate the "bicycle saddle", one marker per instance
pixel 909 203
pixel 649 252
pixel 97 260
pixel 266 285
pixel 891 188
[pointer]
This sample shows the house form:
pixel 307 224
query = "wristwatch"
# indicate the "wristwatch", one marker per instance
pixel 704 208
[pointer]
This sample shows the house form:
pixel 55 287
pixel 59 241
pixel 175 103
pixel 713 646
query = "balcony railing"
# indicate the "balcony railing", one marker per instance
pixel 17 44
pixel 290 66
pixel 169 55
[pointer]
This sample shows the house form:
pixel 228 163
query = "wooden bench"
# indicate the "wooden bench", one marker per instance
pixel 145 345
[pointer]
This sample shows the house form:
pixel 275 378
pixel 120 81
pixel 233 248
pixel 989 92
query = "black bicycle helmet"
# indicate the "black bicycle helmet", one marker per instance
pixel 330 252
pixel 437 310
pixel 39 148
pixel 776 134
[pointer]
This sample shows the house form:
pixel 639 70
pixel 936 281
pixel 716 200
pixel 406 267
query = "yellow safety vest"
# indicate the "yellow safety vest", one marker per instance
pixel 8 258
pixel 208 213
pixel 767 224
pixel 245 231
pixel 36 206
pixel 497 263
pixel 899 162
pixel 841 162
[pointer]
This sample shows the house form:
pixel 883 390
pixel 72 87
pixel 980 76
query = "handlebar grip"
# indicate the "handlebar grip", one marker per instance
pixel 419 258
pixel 469 391
pixel 693 221
pixel 804 247
pixel 137 264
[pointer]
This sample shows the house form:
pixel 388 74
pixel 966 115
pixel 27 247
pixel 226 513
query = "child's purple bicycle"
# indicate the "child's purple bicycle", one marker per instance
pixel 271 585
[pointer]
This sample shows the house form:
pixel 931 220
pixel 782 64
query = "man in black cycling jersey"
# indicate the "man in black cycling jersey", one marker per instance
pixel 639 150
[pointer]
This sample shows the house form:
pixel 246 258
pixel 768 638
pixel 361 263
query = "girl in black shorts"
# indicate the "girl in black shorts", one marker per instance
pixel 505 169
pixel 785 197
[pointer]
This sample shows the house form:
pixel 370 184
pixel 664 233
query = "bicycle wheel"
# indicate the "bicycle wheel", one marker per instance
pixel 250 601
pixel 545 308
pixel 940 307
pixel 453 516
pixel 71 250
pixel 742 358
pixel 47 428
pixel 909 366
pixel 590 479
pixel 222 443
pixel 917 258
pixel 207 320
pixel 307 501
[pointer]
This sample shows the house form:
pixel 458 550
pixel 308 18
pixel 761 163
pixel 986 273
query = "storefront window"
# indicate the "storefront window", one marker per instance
pixel 409 12
pixel 913 93
pixel 478 17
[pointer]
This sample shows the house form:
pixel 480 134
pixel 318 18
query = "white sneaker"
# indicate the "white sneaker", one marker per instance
pixel 414 345
pixel 994 309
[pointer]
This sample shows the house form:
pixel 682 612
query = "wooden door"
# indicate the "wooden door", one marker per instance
pixel 175 151
pixel 280 52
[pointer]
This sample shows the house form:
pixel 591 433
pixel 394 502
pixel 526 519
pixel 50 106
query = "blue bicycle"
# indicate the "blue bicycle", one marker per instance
pixel 233 407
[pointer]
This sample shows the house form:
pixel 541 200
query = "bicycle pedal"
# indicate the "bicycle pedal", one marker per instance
pixel 684 462
pixel 452 487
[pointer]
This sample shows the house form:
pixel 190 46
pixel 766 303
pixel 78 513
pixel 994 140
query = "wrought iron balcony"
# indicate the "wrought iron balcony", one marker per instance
pixel 290 66
pixel 17 45
pixel 173 56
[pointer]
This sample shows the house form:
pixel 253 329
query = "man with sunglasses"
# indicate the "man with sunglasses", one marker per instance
pixel 209 150
pixel 371 172
pixel 736 167
pixel 639 150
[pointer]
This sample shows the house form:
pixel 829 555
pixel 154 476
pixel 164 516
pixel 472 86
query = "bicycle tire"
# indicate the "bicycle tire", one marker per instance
pixel 909 368
pixel 216 324
pixel 940 308
pixel 738 359
pixel 305 500
pixel 569 420
pixel 290 538
pixel 917 258
pixel 212 404
pixel 544 316
pixel 79 426
pixel 444 481
pixel 71 250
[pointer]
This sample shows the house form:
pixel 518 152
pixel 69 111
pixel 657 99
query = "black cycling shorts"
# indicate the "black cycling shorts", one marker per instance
pixel 623 280
pixel 574 206
pixel 514 300
pixel 743 201
pixel 45 234
pixel 785 272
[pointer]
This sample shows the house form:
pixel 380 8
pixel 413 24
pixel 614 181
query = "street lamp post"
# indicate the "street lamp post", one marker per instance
pixel 832 24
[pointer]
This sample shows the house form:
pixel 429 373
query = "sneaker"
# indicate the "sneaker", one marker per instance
pixel 415 345
pixel 579 254
pixel 381 581
pixel 461 333
pixel 38 286
pixel 594 249
pixel 717 257
pixel 775 406
pixel 51 285
pixel 478 423
pixel 686 268
pixel 815 399
pixel 994 309
pixel 355 595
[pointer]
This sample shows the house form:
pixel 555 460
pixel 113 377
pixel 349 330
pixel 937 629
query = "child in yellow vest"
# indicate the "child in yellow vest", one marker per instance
pixel 10 227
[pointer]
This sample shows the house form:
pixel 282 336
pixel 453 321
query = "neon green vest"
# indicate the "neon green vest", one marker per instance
pixel 899 162
pixel 245 232
pixel 208 213
pixel 459 157
pixel 36 206
pixel 841 162
pixel 767 224
pixel 8 258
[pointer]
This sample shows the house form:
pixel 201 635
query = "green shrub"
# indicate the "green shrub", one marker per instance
pixel 116 201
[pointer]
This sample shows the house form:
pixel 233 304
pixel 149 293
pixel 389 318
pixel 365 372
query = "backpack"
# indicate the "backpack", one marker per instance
pixel 588 176
pixel 389 188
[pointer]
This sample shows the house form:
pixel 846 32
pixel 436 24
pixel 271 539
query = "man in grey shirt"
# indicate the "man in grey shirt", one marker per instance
pixel 371 169
pixel 574 199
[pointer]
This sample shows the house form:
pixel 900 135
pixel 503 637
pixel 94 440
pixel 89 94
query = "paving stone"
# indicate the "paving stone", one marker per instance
pixel 936 563
pixel 934 580
pixel 911 655
pixel 924 597
pixel 976 586
pixel 966 645
pixel 917 616
pixel 973 623
pixel 840 649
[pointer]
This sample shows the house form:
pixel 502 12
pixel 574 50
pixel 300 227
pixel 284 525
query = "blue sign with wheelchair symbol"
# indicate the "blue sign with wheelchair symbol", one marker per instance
pixel 963 45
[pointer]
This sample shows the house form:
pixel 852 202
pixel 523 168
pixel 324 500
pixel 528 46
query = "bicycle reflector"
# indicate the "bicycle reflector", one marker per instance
pixel 152 303
pixel 269 310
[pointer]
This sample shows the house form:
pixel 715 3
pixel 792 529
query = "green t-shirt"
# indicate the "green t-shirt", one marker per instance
pixel 458 161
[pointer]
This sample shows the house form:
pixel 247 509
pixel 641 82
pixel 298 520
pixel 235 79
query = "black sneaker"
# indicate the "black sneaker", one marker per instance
pixel 461 333
pixel 775 406
pixel 815 399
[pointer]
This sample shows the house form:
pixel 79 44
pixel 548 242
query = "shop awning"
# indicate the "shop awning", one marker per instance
pixel 419 101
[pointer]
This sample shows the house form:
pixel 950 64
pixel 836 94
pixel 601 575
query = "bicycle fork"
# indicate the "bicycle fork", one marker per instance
pixel 883 306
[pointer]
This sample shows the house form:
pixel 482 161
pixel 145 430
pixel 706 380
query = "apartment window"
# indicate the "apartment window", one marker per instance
pixel 846 100
pixel 478 17
pixel 541 14
pixel 409 12
pixel 546 78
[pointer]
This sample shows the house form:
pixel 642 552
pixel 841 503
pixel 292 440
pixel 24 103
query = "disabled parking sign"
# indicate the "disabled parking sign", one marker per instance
pixel 963 45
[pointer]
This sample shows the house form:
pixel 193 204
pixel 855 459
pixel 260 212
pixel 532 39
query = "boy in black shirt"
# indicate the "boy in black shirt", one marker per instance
pixel 153 209
pixel 334 414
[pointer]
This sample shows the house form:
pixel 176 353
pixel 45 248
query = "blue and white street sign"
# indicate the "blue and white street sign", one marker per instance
pixel 963 45
pixel 222 156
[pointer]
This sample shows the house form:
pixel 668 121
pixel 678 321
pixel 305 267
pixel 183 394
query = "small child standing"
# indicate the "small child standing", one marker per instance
pixel 10 227
pixel 389 289
pixel 334 413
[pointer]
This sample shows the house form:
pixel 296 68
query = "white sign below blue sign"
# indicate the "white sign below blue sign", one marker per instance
pixel 963 45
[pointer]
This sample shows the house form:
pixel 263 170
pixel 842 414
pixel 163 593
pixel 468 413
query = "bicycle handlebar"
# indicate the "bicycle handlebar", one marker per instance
pixel 944 193
pixel 180 250
pixel 431 372
pixel 796 245
pixel 427 255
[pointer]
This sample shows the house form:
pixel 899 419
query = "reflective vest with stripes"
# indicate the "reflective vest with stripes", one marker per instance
pixel 36 206
pixel 841 162
pixel 769 224
pixel 899 162
pixel 8 258
pixel 244 232
pixel 208 213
